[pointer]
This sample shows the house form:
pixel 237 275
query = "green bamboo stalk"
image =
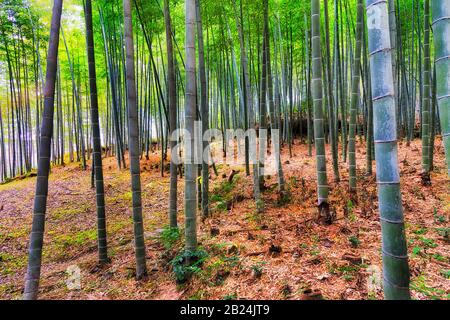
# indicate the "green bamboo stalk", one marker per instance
pixel 172 105
pixel 393 35
pixel 331 103
pixel 274 110
pixel 133 142
pixel 263 97
pixel 433 118
pixel 97 154
pixel 355 99
pixel 190 197
pixel 40 199
pixel 426 164
pixel 204 111
pixel 317 94
pixel 441 29
pixel 395 254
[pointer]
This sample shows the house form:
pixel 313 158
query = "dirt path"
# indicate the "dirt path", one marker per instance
pixel 275 255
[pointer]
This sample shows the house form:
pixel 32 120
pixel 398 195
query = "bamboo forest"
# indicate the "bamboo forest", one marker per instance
pixel 231 150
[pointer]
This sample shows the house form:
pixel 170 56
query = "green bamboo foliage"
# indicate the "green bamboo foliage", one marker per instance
pixel 133 142
pixel 172 103
pixel 40 199
pixel 426 129
pixel 355 99
pixel 190 189
pixel 317 94
pixel 441 30
pixel 395 254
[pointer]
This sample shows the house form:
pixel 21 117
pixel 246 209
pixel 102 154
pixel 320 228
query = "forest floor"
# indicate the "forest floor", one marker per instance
pixel 279 254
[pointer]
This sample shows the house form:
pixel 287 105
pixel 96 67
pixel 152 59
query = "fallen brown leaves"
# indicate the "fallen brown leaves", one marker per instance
pixel 279 254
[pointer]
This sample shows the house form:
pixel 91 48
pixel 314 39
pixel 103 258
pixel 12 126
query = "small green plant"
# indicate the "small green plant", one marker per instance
pixel 254 217
pixel 169 236
pixel 257 269
pixel 348 272
pixel 439 257
pixel 293 181
pixel 372 296
pixel 284 198
pixel 419 284
pixel 445 274
pixel 259 205
pixel 348 277
pixel 416 251
pixel 232 261
pixel 232 296
pixel 199 295
pixel 443 232
pixel 429 242
pixel 187 264
pixel 354 241
pixel 222 206
pixel 314 251
pixel 421 231
pixel 351 211
pixel 216 198
pixel 439 218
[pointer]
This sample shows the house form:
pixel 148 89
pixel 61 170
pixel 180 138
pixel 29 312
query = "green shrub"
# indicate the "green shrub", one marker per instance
pixel 187 264
pixel 169 236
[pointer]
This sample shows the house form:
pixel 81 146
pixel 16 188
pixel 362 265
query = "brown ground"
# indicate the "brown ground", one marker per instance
pixel 341 261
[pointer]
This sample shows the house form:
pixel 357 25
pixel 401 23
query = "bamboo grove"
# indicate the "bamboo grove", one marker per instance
pixel 118 78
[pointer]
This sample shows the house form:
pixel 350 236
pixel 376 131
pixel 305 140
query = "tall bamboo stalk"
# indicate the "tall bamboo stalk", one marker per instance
pixel 426 163
pixel 133 142
pixel 331 104
pixel 441 29
pixel 395 254
pixel 190 114
pixel 317 94
pixel 355 99
pixel 204 107
pixel 40 199
pixel 172 104
pixel 97 154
